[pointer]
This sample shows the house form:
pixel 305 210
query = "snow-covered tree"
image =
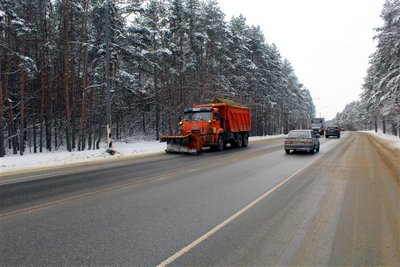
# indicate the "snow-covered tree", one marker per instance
pixel 381 90
pixel 164 57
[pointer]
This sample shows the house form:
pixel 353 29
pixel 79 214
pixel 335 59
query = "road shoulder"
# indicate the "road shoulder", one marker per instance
pixel 389 153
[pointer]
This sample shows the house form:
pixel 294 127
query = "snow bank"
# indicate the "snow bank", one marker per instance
pixel 62 158
pixel 388 139
pixel 256 138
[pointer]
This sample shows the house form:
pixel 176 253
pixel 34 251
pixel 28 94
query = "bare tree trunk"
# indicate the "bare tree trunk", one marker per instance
pixel 43 76
pixel 383 125
pixel 2 152
pixel 49 115
pixel 22 108
pixel 74 101
pixel 84 100
pixel 73 87
pixel 90 124
pixel 82 137
pixel 47 122
pixel 34 135
pixel 142 102
pixel 55 136
pixel 394 128
pixel 168 97
pixel 42 97
pixel 65 77
pixel 6 96
pixel 77 93
pixel 157 105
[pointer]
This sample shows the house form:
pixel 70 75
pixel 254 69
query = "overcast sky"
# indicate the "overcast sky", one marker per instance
pixel 328 42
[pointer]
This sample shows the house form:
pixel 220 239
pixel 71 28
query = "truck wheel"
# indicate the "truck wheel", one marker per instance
pixel 245 140
pixel 239 142
pixel 221 143
pixel 287 151
pixel 312 151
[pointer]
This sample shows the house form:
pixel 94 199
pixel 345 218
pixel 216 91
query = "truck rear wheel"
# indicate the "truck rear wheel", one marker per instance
pixel 245 140
pixel 239 140
pixel 220 143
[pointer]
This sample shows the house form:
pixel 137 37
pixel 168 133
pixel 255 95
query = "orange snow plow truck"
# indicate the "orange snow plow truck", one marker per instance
pixel 211 125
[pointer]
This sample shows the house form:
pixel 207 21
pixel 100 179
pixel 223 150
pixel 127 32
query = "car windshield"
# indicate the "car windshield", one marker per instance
pixel 197 116
pixel 299 134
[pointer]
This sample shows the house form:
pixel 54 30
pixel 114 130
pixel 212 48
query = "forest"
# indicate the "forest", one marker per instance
pixel 160 56
pixel 379 106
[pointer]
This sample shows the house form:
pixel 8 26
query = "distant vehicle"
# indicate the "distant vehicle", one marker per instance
pixel 302 140
pixel 332 131
pixel 318 125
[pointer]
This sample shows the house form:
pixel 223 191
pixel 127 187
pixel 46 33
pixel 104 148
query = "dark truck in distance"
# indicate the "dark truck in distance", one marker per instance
pixel 318 125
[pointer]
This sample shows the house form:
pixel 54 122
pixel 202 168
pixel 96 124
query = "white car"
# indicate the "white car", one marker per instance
pixel 301 140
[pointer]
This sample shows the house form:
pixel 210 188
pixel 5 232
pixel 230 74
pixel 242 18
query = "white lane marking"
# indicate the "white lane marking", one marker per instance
pixel 189 247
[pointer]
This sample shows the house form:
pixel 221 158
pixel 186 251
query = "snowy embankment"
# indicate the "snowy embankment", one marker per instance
pixel 389 149
pixel 15 163
pixel 388 140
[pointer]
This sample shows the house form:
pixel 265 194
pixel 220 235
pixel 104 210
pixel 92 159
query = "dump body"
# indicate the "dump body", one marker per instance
pixel 211 125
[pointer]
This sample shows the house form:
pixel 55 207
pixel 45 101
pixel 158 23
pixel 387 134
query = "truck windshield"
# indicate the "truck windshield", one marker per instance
pixel 316 121
pixel 197 116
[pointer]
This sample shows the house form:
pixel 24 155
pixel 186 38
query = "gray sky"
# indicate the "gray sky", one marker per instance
pixel 328 42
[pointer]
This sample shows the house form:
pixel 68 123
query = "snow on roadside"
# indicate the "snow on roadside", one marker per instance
pixel 255 138
pixel 391 140
pixel 62 158
pixel 11 163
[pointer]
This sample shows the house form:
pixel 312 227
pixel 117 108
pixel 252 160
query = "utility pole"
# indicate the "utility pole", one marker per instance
pixel 108 89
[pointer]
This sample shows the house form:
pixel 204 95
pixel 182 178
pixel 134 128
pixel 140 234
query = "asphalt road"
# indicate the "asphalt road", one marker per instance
pixel 253 206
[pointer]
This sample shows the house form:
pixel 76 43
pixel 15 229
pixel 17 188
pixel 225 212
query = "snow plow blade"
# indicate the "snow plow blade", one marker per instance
pixel 182 144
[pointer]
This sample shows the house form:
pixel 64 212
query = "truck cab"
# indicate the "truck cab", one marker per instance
pixel 206 121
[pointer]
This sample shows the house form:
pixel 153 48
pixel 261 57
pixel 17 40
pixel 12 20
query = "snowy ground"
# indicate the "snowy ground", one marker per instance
pixel 12 163
pixel 389 140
